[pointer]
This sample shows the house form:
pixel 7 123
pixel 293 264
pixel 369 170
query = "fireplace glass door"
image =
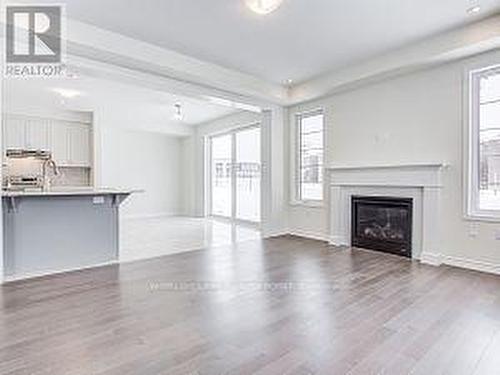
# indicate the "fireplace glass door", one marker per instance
pixel 382 223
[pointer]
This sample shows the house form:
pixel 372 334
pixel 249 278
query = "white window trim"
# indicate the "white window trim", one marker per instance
pixel 294 160
pixel 471 146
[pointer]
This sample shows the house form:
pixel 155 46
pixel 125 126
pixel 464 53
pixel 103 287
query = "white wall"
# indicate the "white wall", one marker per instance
pixel 189 158
pixel 2 109
pixel 410 119
pixel 140 160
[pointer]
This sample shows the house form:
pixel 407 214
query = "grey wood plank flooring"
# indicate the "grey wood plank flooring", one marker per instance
pixel 280 306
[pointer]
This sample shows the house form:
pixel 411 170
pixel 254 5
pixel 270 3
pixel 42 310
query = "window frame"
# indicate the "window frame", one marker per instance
pixel 472 145
pixel 296 160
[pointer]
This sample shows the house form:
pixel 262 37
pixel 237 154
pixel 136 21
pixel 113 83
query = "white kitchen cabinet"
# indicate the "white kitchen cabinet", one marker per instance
pixel 14 132
pixel 37 134
pixel 70 142
pixel 25 133
pixel 59 143
pixel 79 145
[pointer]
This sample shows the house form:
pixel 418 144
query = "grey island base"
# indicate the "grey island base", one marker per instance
pixel 56 231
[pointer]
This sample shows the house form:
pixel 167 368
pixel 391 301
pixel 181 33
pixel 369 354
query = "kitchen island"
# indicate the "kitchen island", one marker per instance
pixel 59 230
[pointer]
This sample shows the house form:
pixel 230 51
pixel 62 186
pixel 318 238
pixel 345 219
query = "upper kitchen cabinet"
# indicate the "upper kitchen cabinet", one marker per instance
pixel 79 145
pixel 37 134
pixel 14 133
pixel 59 142
pixel 71 144
pixel 25 133
pixel 69 141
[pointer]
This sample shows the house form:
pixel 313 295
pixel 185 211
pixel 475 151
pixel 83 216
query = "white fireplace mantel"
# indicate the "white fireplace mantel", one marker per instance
pixel 422 182
pixel 417 175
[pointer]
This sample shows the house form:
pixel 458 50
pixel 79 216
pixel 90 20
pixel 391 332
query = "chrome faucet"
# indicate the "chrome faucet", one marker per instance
pixel 45 177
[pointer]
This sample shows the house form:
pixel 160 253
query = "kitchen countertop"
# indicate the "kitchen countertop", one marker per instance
pixel 66 192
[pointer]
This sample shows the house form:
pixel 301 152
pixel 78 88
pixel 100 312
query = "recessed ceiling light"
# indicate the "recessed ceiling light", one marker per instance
pixel 263 6
pixel 67 93
pixel 474 9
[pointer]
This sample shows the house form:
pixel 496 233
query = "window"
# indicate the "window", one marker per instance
pixel 484 144
pixel 310 147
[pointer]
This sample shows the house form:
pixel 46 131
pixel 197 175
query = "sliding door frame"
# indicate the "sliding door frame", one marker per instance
pixel 209 178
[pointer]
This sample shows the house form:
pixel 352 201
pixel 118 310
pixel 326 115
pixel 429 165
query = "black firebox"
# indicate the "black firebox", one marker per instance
pixel 383 224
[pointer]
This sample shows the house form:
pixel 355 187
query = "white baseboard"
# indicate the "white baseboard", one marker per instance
pixel 338 241
pixel 459 262
pixel 311 235
pixel 431 259
pixel 470 264
pixel 274 233
pixel 33 275
pixel 157 215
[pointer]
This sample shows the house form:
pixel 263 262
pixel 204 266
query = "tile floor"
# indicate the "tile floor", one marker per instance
pixel 149 238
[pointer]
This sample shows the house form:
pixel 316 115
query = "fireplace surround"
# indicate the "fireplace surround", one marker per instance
pixel 421 182
pixel 382 224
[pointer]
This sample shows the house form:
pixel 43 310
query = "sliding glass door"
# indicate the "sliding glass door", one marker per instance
pixel 221 172
pixel 235 173
pixel 248 174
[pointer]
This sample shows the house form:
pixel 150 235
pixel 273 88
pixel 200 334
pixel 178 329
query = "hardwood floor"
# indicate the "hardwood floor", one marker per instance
pixel 217 311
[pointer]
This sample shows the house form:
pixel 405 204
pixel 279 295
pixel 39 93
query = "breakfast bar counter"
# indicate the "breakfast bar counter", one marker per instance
pixel 59 230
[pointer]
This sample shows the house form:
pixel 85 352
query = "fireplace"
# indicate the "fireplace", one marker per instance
pixel 382 223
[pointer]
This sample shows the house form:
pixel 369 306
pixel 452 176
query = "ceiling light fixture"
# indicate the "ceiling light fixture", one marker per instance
pixel 263 6
pixel 178 112
pixel 474 9
pixel 67 93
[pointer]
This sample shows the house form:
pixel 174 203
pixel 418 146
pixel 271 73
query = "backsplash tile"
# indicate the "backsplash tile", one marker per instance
pixel 71 177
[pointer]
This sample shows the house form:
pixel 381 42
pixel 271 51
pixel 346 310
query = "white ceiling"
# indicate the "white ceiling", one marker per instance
pixel 149 109
pixel 302 39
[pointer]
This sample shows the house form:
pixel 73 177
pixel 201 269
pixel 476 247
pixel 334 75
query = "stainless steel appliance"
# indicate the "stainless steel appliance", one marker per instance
pixel 28 169
pixel 25 154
